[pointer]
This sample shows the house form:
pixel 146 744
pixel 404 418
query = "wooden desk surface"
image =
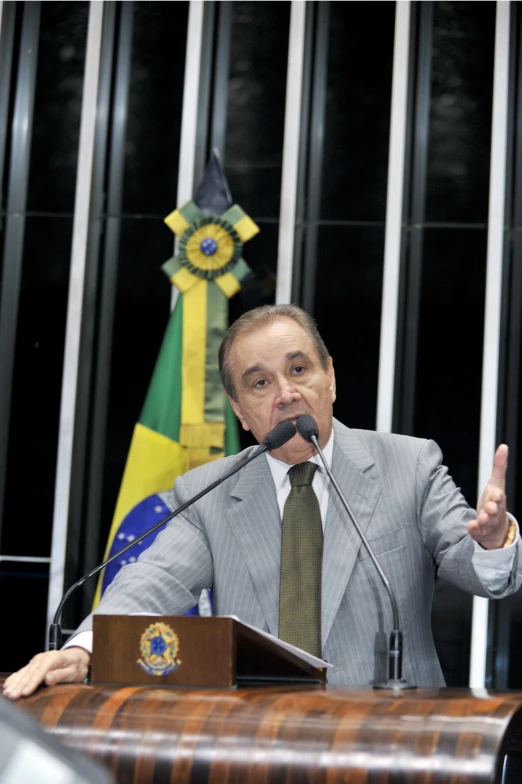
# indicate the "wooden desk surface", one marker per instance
pixel 296 734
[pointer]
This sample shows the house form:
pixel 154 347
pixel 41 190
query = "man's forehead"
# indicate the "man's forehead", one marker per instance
pixel 289 337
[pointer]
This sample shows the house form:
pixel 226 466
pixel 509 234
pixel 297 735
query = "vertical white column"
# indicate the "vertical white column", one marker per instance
pixel 189 116
pixel 490 362
pixel 189 112
pixel 74 307
pixel 394 211
pixel 294 88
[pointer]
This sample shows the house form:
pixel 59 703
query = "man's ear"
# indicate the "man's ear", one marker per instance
pixel 237 411
pixel 331 377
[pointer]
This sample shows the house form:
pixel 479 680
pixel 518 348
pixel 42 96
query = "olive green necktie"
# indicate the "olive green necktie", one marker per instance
pixel 301 563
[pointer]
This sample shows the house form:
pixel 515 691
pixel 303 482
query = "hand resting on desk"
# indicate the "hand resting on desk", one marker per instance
pixel 67 666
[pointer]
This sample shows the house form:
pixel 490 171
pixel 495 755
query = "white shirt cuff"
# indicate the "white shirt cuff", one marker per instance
pixel 493 567
pixel 81 640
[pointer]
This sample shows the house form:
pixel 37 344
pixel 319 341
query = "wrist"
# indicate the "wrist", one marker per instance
pixel 82 653
pixel 508 539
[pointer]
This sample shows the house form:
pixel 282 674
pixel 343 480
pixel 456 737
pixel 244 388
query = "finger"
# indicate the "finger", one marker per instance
pixel 26 680
pixel 491 508
pixel 25 683
pixel 473 526
pixel 74 667
pixel 71 674
pixel 488 532
pixel 15 679
pixel 490 522
pixel 482 519
pixel 500 461
pixel 25 677
pixel 479 531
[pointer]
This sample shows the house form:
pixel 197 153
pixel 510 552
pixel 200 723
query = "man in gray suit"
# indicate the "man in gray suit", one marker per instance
pixel 275 367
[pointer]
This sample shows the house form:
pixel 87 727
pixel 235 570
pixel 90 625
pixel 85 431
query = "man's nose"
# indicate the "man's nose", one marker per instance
pixel 287 392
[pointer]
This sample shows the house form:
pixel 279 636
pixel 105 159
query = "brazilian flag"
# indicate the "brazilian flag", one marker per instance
pixel 186 420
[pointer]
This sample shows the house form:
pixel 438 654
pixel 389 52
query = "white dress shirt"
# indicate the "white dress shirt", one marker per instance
pixel 320 484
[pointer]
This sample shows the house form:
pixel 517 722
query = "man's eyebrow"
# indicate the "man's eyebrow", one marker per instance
pixel 296 355
pixel 259 368
pixel 250 371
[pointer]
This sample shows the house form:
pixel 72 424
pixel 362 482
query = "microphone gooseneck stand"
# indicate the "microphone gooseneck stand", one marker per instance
pixel 282 433
pixel 308 429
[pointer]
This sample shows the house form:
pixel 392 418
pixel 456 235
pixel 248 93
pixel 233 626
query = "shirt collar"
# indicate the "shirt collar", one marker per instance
pixel 279 470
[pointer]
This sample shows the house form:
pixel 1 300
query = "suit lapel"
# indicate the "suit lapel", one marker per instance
pixel 341 540
pixel 255 521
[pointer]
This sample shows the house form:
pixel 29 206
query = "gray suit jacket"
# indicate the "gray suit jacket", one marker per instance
pixel 405 501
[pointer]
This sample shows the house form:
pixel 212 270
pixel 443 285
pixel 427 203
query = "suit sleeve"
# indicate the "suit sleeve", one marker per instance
pixel 443 514
pixel 169 576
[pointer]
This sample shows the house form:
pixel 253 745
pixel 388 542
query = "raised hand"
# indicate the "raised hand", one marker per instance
pixel 491 526
pixel 67 666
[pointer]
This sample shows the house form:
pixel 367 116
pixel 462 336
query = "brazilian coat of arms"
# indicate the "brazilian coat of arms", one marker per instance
pixel 159 646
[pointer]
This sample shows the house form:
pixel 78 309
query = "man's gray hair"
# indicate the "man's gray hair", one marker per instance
pixel 259 317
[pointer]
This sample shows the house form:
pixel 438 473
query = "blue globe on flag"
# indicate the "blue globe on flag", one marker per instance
pixel 145 515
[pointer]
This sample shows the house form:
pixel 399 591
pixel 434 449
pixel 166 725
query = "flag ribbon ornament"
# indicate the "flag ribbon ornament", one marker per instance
pixel 207 270
pixel 186 419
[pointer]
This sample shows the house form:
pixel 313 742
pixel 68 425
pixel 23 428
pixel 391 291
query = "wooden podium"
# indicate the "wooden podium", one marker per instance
pixel 192 651
pixel 165 731
pixel 314 735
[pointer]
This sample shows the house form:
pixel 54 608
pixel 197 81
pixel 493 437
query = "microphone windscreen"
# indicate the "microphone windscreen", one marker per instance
pixel 307 427
pixel 281 433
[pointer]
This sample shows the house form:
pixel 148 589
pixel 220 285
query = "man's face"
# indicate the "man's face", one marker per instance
pixel 277 375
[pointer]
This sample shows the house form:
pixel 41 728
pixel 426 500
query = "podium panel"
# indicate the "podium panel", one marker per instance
pixel 179 650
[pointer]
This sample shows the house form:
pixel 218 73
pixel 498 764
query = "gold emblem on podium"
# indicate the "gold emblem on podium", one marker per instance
pixel 159 646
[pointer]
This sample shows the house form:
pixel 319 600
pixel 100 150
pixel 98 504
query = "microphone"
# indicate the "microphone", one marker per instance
pixel 277 437
pixel 282 433
pixel 307 427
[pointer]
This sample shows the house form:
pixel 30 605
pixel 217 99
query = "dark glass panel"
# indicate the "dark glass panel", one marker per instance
pixel 357 120
pixel 449 358
pixel 447 399
pixel 260 253
pixel 348 312
pixel 2 244
pixel 155 102
pixel 451 626
pixel 256 104
pixel 23 612
pixel 515 642
pixel 460 116
pixel 256 188
pixel 57 108
pixel 36 392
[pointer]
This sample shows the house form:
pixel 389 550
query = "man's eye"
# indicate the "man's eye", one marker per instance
pixel 261 383
pixel 298 370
